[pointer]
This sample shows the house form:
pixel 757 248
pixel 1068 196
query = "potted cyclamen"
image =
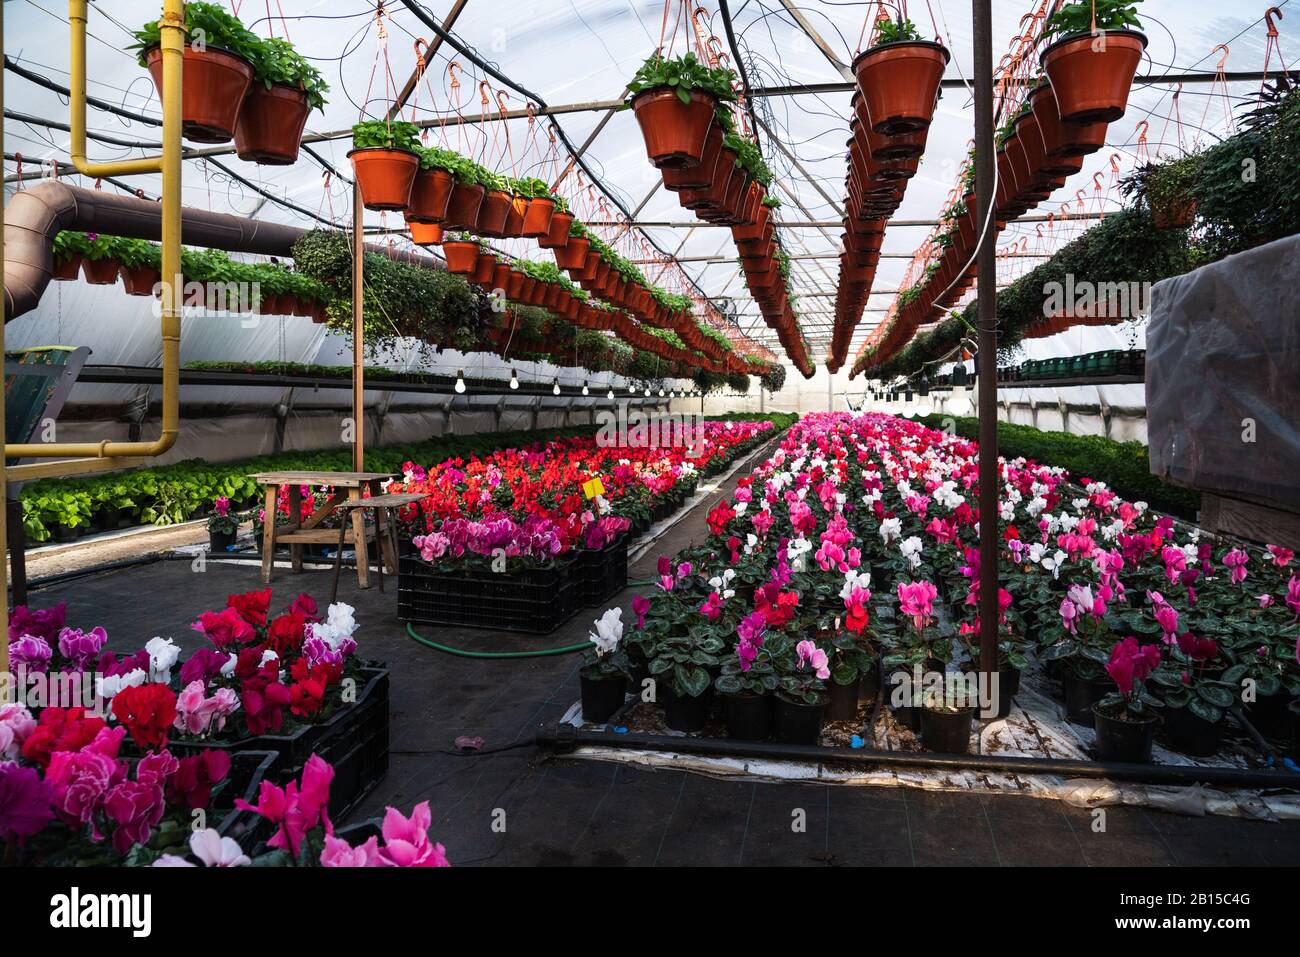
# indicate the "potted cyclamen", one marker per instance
pixel 223 526
pixel 801 696
pixel 217 69
pixel 286 88
pixel 1195 701
pixel 899 78
pixel 675 101
pixel 1124 719
pixel 1093 58
pixel 603 675
pixel 385 160
pixel 747 682
pixel 948 714
pixel 680 668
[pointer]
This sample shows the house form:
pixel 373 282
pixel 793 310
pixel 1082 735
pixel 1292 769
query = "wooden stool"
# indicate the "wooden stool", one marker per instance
pixel 385 532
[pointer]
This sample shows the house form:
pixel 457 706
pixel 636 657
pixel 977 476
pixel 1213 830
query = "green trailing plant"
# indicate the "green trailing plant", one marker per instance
pixel 69 243
pixel 897 31
pixel 1164 186
pixel 386 135
pixel 205 23
pixel 683 75
pixel 1080 17
pixel 275 61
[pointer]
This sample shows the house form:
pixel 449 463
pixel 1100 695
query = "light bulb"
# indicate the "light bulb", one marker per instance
pixel 555 386
pixel 647 392
pixel 611 392
pixel 661 392
pixel 631 390
pixel 460 381
pixel 514 379
pixel 585 390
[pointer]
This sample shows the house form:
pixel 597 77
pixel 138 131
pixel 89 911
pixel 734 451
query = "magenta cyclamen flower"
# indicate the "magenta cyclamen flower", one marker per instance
pixel 81 648
pixel 750 631
pixel 814 657
pixel 31 653
pixel 24 802
pixel 1236 561
pixel 640 605
pixel 221 506
pixel 916 599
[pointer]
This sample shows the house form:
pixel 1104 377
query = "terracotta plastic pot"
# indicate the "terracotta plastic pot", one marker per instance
pixel 1176 214
pixel 1091 75
pixel 425 234
pixel 214 83
pixel 385 177
pixel 537 217
pixel 461 255
pixel 67 269
pixel 715 195
pixel 140 280
pixel 270 124
pixel 493 213
pixel 514 285
pixel 1059 140
pixel 558 235
pixel 430 196
pixel 101 272
pixel 701 175
pixel 464 205
pixel 573 255
pixel 484 269
pixel 900 84
pixel 675 133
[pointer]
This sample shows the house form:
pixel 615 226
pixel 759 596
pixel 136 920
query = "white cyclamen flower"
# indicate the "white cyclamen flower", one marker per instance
pixel 163 654
pixel 891 529
pixel 609 631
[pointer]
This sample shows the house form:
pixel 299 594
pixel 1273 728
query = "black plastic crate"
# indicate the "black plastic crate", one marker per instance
pixel 603 572
pixel 536 601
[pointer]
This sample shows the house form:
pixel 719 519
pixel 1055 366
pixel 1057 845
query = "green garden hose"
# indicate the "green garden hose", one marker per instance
pixel 539 653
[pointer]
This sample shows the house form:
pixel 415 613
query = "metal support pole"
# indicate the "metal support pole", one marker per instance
pixel 982 17
pixel 358 333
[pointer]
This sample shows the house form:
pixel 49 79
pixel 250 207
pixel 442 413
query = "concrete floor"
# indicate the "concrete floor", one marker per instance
pixel 579 812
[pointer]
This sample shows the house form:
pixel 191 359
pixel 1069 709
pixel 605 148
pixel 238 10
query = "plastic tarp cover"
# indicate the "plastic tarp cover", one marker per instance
pixel 1223 392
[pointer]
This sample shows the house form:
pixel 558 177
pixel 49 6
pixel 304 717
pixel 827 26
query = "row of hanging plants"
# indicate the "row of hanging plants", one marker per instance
pixel 220 283
pixel 238 85
pixel 1087 70
pixel 1125 249
pixel 898 83
pixel 683 107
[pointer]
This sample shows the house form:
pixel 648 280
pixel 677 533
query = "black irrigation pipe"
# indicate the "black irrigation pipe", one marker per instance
pixel 565 738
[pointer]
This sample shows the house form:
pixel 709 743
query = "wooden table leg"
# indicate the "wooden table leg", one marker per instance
pixel 338 560
pixel 295 519
pixel 380 557
pixel 268 534
pixel 359 540
pixel 390 538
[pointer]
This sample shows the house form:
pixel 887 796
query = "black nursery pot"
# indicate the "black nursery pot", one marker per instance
pixel 843 705
pixel 1008 687
pixel 682 712
pixel 947 732
pixel 797 723
pixel 220 541
pixel 1270 715
pixel 909 716
pixel 869 682
pixel 748 716
pixel 601 697
pixel 1128 741
pixel 1191 734
pixel 1080 695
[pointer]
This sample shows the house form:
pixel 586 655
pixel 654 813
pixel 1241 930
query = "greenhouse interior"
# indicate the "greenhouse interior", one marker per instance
pixel 414 460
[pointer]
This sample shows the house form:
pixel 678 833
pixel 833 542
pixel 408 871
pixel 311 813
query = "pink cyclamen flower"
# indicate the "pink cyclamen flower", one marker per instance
pixel 221 506
pixel 339 853
pixel 916 599
pixel 1236 561
pixel 814 657
pixel 640 605
pixel 406 840
pixel 1282 557
pixel 712 607
pixel 1069 613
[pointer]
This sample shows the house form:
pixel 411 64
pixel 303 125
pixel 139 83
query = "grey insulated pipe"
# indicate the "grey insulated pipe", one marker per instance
pixel 35 216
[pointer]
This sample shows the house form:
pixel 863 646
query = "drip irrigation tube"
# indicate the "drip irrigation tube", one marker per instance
pixel 565 738
pixel 463 653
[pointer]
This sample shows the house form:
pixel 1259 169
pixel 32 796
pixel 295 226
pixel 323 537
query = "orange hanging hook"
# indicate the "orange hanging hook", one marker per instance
pixel 1269 14
pixel 502 97
pixel 1144 126
pixel 453 68
pixel 1114 162
pixel 484 91
pixel 420 61
pixel 1223 59
pixel 1096 182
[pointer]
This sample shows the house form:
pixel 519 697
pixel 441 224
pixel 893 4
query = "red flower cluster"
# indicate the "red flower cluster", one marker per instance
pixel 148 712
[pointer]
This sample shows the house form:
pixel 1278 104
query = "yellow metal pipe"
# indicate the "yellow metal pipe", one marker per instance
pixel 169 164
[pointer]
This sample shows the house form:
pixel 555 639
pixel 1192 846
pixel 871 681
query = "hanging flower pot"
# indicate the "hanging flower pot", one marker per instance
pixel 492 215
pixel 484 269
pixel 514 285
pixel 270 124
pixel 461 254
pixel 140 280
pixel 573 256
pixel 537 217
pixel 430 196
pixel 675 130
pixel 1062 142
pixel 1091 75
pixel 701 175
pixel 518 210
pixel 900 84
pixel 384 176
pixel 101 272
pixel 464 204
pixel 67 269
pixel 425 234
pixel 558 235
pixel 214 83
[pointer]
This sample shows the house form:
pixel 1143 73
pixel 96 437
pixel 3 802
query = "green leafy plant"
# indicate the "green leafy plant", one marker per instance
pixel 206 24
pixel 275 61
pixel 1077 18
pixel 897 31
pixel 386 135
pixel 684 75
